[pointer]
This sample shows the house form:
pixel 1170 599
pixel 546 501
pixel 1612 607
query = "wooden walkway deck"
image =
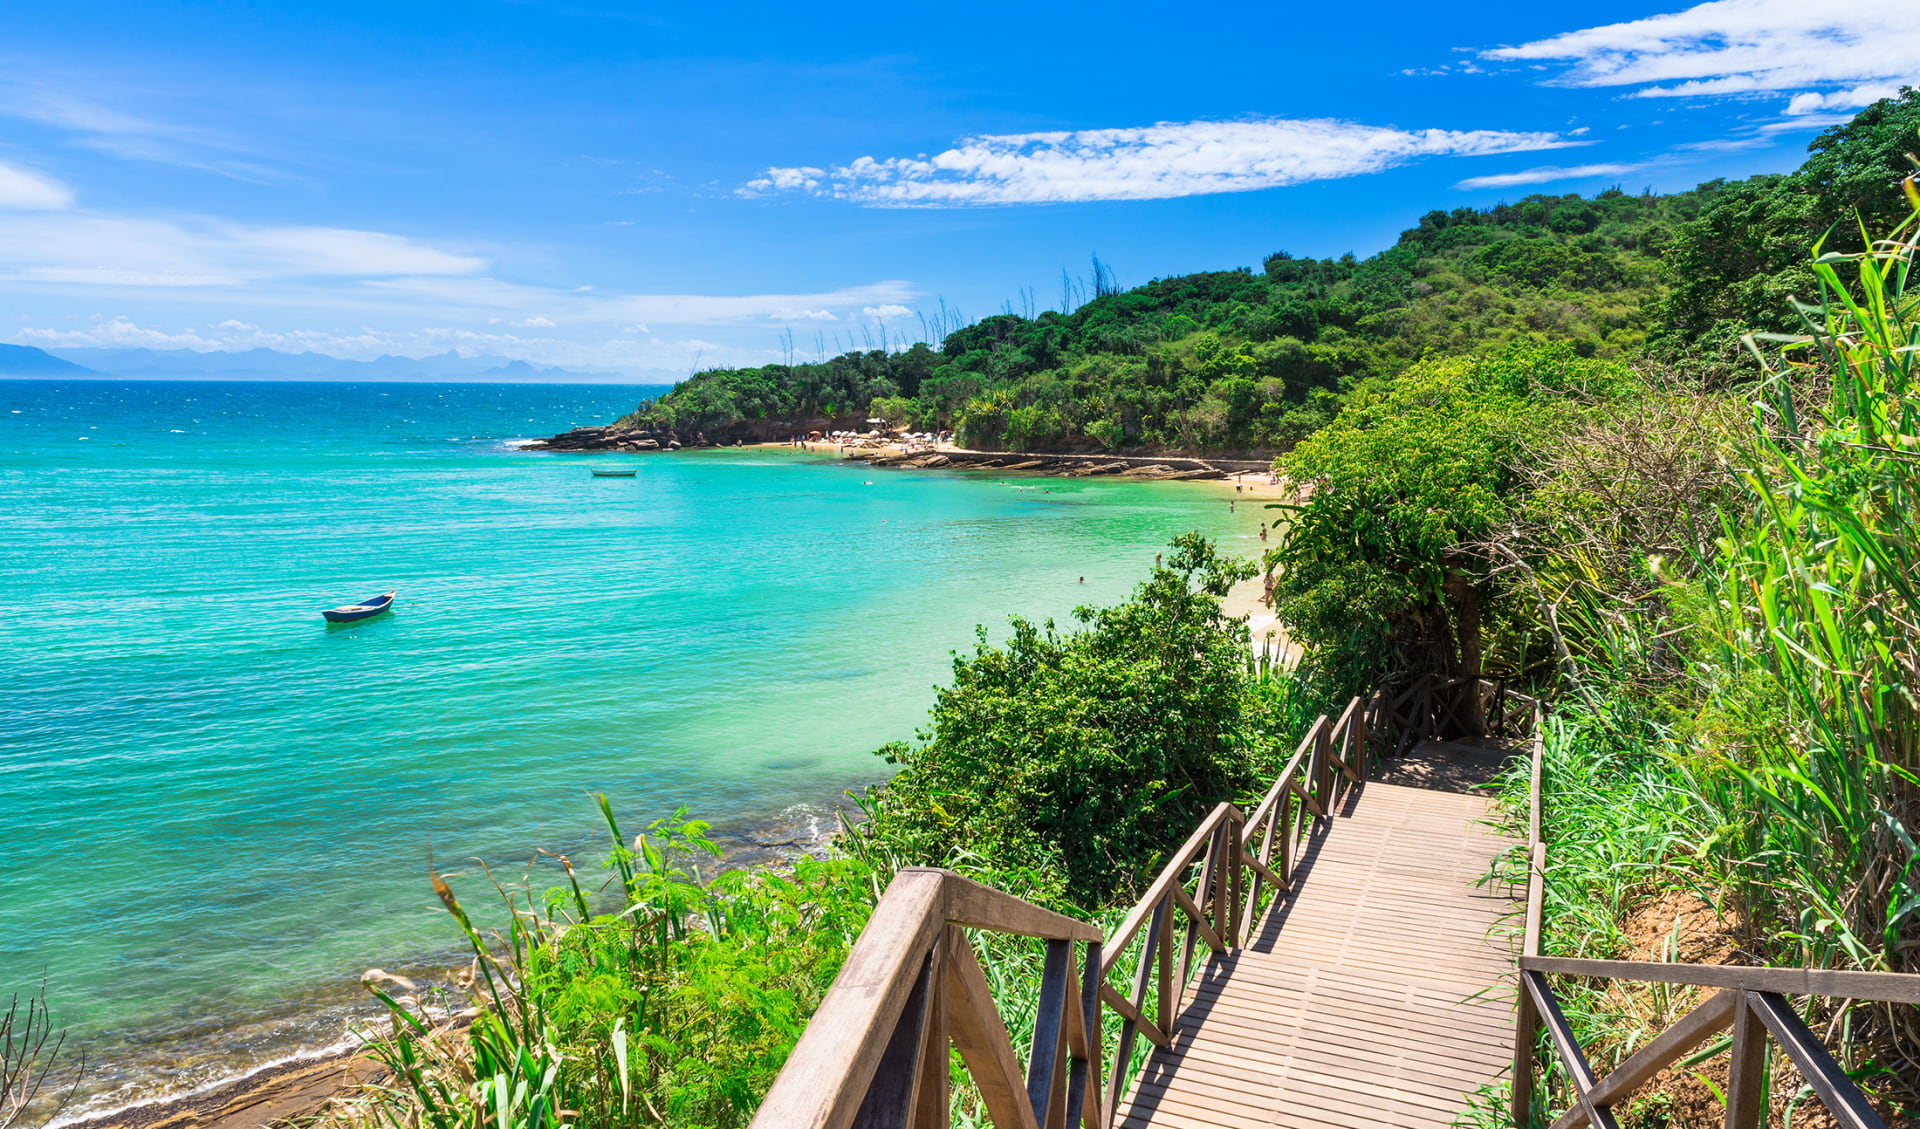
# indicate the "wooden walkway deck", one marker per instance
pixel 1379 995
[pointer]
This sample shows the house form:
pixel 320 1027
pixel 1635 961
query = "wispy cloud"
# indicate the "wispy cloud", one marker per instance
pixel 1840 55
pixel 1547 174
pixel 638 351
pixel 28 190
pixel 587 307
pixel 80 247
pixel 1146 163
pixel 95 125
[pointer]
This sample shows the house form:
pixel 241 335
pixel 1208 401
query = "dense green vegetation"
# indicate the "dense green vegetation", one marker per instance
pixel 1718 583
pixel 1721 587
pixel 1736 268
pixel 1234 360
pixel 1242 361
pixel 1078 757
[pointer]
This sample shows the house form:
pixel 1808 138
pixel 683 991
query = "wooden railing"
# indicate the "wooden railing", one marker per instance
pixel 875 1052
pixel 1752 1001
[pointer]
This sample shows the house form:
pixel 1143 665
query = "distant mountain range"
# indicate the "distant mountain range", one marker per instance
pixel 25 360
pixel 270 364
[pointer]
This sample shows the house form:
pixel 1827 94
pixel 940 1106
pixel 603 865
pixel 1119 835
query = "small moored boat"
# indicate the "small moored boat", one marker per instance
pixel 613 472
pixel 365 609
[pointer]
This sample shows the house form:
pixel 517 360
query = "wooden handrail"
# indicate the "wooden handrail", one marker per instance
pixel 875 1052
pixel 876 1049
pixel 1872 987
pixel 1752 1001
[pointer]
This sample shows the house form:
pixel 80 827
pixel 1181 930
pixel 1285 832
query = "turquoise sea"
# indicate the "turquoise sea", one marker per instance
pixel 218 809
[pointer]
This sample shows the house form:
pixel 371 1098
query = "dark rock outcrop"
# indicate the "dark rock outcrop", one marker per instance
pixel 1162 467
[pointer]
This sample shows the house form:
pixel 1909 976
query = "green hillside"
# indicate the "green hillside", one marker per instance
pixel 1246 361
pixel 1239 360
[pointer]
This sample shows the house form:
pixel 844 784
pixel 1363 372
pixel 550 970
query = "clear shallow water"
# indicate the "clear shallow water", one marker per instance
pixel 219 809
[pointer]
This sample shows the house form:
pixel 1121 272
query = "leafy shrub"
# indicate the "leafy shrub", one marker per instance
pixel 1080 756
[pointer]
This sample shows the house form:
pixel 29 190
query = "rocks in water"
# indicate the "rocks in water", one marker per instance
pixel 607 439
pixel 1163 468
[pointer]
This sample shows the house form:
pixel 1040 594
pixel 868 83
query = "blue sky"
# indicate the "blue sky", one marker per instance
pixel 646 188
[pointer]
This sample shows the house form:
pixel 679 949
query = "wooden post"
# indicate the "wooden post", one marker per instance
pixel 931 1097
pixel 1323 768
pixel 1526 1032
pixel 1236 841
pixel 1049 1025
pixel 1152 946
pixel 1284 805
pixel 891 1097
pixel 1746 1074
pixel 1083 1080
pixel 1163 919
pixel 1365 737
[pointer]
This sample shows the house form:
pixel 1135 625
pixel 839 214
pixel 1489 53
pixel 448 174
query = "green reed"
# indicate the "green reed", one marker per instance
pixel 1819 615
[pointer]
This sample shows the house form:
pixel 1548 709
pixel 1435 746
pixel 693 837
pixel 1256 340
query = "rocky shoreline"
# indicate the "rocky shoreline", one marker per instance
pixel 584 440
pixel 1166 468
pixel 298 1088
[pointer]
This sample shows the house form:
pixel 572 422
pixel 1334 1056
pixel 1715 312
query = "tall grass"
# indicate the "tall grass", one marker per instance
pixel 1817 629
pixel 676 1004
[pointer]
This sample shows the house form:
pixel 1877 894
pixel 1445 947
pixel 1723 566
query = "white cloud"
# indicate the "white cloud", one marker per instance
pixel 1546 174
pixel 620 351
pixel 584 305
pixel 1732 47
pixel 537 323
pixel 887 311
pixel 114 132
pixel 101 249
pixel 1147 163
pixel 26 189
pixel 1811 103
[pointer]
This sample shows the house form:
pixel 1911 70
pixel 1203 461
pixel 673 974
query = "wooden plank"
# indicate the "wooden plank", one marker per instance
pixel 976 906
pixel 1246 1040
pixel 1399 1063
pixel 892 1094
pixel 1842 1098
pixel 980 1036
pixel 829 1068
pixel 1049 1023
pixel 1224 1058
pixel 1692 1029
pixel 1571 1057
pixel 1886 987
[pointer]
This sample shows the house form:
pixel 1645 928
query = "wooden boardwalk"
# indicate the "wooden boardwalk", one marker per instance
pixel 1379 995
